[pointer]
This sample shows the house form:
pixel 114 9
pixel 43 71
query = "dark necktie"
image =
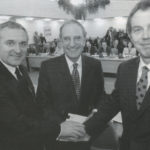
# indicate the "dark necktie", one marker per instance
pixel 23 83
pixel 18 74
pixel 76 79
pixel 141 87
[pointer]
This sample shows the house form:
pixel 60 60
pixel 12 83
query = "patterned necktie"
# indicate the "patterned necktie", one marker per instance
pixel 18 74
pixel 141 87
pixel 76 79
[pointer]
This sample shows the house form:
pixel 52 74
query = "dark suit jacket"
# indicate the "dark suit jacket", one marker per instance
pixel 136 124
pixel 56 93
pixel 22 126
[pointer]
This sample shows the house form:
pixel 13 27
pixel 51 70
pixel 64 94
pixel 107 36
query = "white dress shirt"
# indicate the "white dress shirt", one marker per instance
pixel 79 67
pixel 141 65
pixel 11 69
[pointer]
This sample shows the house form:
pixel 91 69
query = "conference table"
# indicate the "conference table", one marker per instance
pixel 109 64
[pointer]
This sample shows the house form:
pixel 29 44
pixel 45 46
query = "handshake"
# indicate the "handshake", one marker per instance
pixel 73 129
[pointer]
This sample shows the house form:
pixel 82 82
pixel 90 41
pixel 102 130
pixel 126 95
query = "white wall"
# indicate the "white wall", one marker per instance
pixel 94 28
pixel 47 8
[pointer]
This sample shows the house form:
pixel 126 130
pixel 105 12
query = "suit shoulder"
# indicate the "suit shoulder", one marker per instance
pixel 129 62
pixel 52 61
pixel 24 68
pixel 91 60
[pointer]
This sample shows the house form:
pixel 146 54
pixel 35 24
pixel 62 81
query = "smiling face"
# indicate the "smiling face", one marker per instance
pixel 13 46
pixel 140 33
pixel 73 41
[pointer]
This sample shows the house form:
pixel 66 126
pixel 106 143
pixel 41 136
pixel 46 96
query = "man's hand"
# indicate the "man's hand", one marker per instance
pixel 72 131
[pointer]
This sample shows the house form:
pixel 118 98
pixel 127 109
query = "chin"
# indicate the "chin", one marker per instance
pixel 16 64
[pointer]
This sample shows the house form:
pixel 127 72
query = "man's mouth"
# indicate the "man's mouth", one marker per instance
pixel 145 44
pixel 17 56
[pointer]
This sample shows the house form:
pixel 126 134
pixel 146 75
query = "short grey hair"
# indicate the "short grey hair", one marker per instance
pixel 13 25
pixel 72 22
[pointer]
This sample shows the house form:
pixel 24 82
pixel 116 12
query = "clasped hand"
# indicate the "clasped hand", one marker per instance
pixel 73 131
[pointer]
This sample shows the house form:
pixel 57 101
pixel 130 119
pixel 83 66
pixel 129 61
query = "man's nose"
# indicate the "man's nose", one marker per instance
pixel 17 48
pixel 72 43
pixel 146 33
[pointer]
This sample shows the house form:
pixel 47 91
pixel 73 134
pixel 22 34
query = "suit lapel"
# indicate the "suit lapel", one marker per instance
pixel 132 79
pixel 6 73
pixel 7 77
pixel 10 81
pixel 27 80
pixel 85 76
pixel 65 74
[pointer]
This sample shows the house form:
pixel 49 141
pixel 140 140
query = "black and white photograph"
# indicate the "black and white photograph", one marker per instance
pixel 74 74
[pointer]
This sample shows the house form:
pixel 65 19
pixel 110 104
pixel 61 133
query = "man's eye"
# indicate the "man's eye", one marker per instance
pixel 137 30
pixel 66 38
pixel 77 38
pixel 23 44
pixel 10 43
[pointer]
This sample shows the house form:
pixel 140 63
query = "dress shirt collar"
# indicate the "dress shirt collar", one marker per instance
pixel 79 67
pixel 9 68
pixel 142 64
pixel 70 63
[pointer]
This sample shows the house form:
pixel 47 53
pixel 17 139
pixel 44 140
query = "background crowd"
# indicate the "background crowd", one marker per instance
pixel 114 43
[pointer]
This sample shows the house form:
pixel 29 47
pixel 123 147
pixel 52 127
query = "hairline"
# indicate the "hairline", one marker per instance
pixel 72 22
pixel 143 6
pixel 13 25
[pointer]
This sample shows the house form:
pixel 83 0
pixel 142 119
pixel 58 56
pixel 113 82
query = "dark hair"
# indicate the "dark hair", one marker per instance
pixel 143 5
pixel 72 22
pixel 12 25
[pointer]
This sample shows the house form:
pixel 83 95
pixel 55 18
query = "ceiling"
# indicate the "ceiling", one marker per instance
pixel 50 9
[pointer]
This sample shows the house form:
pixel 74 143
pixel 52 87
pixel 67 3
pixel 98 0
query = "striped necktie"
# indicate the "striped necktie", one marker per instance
pixel 76 79
pixel 18 74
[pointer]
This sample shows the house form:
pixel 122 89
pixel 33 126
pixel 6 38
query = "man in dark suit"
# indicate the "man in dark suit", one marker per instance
pixel 71 83
pixel 22 124
pixel 131 95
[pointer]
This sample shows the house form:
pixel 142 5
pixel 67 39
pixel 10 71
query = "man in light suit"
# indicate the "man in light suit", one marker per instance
pixel 131 95
pixel 71 83
pixel 22 124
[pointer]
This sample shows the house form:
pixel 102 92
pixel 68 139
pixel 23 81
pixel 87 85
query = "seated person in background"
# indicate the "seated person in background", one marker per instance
pixel 109 37
pixel 93 47
pixel 36 40
pixel 93 50
pixel 52 47
pixel 59 49
pixel 122 38
pixel 114 49
pixel 97 41
pixel 105 49
pixel 42 43
pixel 130 50
pixel 31 49
pixel 87 47
pixel 42 39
